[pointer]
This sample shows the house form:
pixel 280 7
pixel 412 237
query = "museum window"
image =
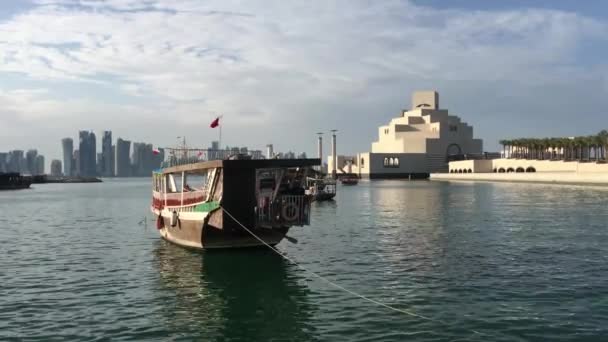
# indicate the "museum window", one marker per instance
pixel 453 128
pixel 391 162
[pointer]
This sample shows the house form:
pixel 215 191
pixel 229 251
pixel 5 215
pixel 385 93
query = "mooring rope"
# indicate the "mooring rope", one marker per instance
pixel 409 313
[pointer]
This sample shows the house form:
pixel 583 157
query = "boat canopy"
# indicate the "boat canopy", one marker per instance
pixel 243 164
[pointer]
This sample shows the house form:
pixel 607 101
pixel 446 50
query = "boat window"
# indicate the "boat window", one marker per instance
pixel 267 183
pixel 171 184
pixel 158 183
pixel 196 181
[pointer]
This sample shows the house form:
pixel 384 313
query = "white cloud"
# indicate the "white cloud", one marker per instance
pixel 271 63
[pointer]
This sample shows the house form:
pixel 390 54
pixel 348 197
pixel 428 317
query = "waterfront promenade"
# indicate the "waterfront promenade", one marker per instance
pixel 526 170
pixel 594 178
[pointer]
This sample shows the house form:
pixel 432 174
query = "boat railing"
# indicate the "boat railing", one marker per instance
pixel 183 156
pixel 287 210
pixel 178 199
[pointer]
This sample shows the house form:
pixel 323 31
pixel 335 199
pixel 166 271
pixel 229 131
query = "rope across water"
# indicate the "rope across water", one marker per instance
pixel 316 275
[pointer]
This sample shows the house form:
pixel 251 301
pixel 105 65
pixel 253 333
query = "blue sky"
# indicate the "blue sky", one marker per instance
pixel 279 71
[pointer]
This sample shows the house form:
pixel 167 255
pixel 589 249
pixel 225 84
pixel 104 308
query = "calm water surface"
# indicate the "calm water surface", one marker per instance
pixel 514 262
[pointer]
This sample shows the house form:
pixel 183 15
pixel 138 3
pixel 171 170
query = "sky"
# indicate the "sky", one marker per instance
pixel 281 71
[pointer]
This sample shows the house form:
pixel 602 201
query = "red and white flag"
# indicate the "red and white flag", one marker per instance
pixel 156 151
pixel 215 122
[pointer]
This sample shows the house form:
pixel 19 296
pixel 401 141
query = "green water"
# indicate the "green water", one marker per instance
pixel 513 262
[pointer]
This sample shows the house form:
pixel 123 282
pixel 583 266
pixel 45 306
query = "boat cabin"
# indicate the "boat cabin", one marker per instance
pixel 266 193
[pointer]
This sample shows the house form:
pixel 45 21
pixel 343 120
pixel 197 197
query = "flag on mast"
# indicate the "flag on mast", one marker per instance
pixel 215 122
pixel 156 151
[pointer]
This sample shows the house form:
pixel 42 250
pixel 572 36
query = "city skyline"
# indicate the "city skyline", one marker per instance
pixel 109 158
pixel 281 72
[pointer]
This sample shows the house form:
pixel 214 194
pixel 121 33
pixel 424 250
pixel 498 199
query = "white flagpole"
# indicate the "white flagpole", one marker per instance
pixel 221 118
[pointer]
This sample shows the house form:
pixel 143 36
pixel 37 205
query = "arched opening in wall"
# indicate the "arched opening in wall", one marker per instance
pixel 501 170
pixel 453 152
pixel 459 170
pixel 494 170
pixel 390 162
pixel 396 161
pixel 530 169
pixel 469 171
pixel 510 170
pixel 520 169
pixel 385 161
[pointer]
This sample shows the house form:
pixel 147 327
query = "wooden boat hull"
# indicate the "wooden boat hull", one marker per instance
pixel 14 181
pixel 350 182
pixel 15 186
pixel 231 203
pixel 325 196
pixel 199 234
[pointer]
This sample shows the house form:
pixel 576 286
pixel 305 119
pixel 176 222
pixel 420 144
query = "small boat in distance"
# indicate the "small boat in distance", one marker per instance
pixel 321 189
pixel 197 204
pixel 14 181
pixel 349 180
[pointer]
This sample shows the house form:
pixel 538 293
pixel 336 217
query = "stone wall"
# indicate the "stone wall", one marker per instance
pixel 524 166
pixel 588 178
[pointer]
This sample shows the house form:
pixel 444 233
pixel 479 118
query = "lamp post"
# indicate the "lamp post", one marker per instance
pixel 334 157
pixel 320 149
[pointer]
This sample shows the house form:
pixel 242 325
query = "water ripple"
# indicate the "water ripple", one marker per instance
pixel 499 262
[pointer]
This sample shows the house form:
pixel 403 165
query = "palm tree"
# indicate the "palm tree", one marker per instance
pixel 568 145
pixel 546 144
pixel 504 147
pixel 559 148
pixel 590 140
pixel 517 144
pixel 597 147
pixel 603 135
pixel 580 145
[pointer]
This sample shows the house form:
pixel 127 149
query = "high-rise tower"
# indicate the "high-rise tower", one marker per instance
pixel 68 156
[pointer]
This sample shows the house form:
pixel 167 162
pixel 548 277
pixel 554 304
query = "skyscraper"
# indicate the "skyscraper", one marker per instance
pixel 38 165
pixel 88 153
pixel 93 152
pixel 3 162
pixel 114 160
pixel 123 163
pixel 56 167
pixel 158 159
pixel 138 159
pixel 68 156
pixel 83 151
pixel 76 164
pixel 99 164
pixel 30 162
pixel 107 167
pixel 16 161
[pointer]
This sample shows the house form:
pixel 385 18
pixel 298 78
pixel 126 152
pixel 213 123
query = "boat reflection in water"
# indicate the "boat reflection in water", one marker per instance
pixel 233 295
